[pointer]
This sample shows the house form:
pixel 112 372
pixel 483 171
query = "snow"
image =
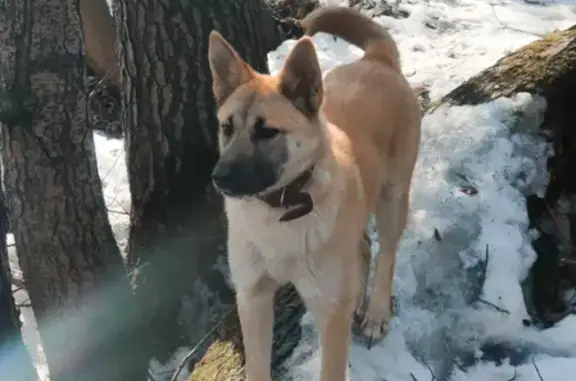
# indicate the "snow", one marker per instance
pixel 440 323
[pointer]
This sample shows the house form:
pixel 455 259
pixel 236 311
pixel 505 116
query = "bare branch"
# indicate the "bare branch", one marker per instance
pixel 497 308
pixel 514 376
pixel 537 370
pixel 431 372
pixel 492 6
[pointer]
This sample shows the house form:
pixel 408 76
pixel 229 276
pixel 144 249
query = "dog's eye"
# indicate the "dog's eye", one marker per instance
pixel 262 132
pixel 266 133
pixel 227 128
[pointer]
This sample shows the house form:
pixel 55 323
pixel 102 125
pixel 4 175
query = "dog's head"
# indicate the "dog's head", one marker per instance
pixel 270 131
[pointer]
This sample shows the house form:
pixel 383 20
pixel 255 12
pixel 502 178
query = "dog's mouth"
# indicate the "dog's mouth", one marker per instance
pixel 243 178
pixel 231 193
pixel 224 191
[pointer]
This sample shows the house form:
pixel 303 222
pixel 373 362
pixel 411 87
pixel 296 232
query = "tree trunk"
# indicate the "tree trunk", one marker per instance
pixel 71 264
pixel 177 234
pixel 15 361
pixel 100 40
pixel 546 67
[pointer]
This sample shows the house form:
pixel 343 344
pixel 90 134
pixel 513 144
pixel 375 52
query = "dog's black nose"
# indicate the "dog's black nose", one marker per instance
pixel 221 173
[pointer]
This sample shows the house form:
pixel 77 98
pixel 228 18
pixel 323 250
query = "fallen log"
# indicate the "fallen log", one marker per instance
pixel 546 67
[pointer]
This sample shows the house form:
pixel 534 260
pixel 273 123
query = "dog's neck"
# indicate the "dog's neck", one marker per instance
pixel 291 197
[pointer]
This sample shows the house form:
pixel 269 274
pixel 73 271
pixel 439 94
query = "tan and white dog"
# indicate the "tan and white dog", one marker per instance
pixel 302 166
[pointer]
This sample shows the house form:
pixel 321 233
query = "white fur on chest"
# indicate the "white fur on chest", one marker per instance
pixel 284 250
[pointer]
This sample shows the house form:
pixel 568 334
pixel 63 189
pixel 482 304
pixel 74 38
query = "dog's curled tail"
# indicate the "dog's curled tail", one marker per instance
pixel 356 29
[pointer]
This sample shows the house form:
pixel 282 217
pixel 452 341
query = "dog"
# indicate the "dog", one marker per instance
pixel 303 164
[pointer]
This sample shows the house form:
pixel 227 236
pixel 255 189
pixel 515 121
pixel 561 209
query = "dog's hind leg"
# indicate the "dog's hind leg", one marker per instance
pixel 391 217
pixel 365 260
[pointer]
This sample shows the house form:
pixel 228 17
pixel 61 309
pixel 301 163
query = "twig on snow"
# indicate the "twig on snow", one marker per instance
pixel 431 372
pixel 537 370
pixel 413 377
pixel 511 27
pixel 123 212
pixel 24 304
pixel 514 376
pixel 197 346
pixel 437 235
pixel 533 2
pixel 497 308
pixel 486 259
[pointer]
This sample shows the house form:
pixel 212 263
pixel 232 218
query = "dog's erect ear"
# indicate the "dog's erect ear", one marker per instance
pixel 229 71
pixel 301 78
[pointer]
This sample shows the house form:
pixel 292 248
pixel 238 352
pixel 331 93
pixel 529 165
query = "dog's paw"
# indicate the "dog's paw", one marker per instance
pixel 372 324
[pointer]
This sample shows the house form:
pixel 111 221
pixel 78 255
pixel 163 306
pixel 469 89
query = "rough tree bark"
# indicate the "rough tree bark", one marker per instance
pixel 546 67
pixel 71 264
pixel 100 40
pixel 15 361
pixel 177 234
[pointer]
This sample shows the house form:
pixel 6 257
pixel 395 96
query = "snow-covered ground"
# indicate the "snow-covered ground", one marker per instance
pixel 438 332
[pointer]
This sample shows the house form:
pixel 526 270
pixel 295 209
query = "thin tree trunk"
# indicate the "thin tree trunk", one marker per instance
pixel 15 360
pixel 71 264
pixel 177 234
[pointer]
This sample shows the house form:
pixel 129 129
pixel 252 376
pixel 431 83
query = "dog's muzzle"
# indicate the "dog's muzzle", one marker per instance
pixel 242 178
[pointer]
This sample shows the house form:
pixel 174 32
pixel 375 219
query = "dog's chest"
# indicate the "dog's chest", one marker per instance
pixel 285 250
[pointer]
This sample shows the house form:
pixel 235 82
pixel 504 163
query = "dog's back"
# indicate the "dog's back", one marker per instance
pixel 370 99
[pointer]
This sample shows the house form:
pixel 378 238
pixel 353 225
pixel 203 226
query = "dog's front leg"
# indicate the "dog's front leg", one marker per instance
pixel 335 324
pixel 255 303
pixel 255 309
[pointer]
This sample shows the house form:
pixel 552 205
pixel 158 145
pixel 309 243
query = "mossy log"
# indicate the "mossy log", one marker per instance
pixel 546 67
pixel 224 359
